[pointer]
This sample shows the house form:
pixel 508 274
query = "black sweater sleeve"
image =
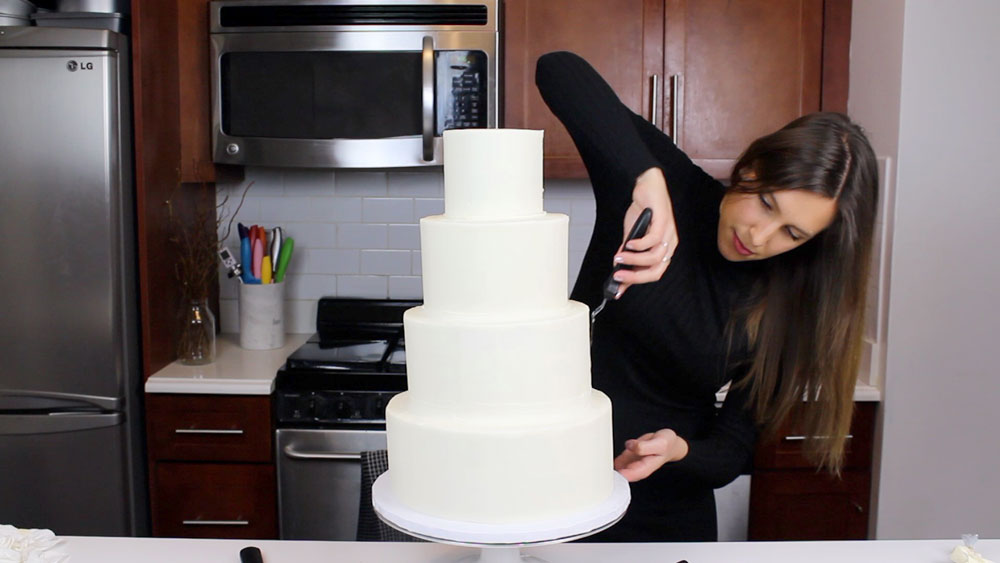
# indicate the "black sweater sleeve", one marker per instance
pixel 600 125
pixel 617 145
pixel 718 458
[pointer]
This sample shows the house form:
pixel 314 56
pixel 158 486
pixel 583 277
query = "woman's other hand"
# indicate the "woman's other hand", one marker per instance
pixel 649 452
pixel 650 255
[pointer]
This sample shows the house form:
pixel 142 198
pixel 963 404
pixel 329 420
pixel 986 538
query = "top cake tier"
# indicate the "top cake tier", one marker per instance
pixel 492 173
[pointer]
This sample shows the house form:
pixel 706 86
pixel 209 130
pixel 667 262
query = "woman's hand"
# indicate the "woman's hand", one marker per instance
pixel 649 452
pixel 650 255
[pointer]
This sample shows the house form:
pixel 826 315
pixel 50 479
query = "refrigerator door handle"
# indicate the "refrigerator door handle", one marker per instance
pixel 53 423
pixel 103 403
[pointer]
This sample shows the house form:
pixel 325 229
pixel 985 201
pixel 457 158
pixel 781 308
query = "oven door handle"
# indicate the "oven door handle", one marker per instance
pixel 428 98
pixel 295 454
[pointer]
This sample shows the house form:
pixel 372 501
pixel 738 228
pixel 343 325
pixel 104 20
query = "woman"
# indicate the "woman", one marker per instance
pixel 761 284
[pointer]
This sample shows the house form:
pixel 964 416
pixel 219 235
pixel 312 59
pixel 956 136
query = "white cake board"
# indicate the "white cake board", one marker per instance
pixel 500 543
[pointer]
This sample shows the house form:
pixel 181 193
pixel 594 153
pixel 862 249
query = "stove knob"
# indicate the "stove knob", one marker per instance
pixel 378 407
pixel 344 408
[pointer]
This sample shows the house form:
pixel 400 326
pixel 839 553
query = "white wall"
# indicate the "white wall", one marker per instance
pixel 356 232
pixel 940 454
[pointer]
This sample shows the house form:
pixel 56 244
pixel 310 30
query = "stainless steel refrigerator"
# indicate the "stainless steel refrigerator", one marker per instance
pixel 71 431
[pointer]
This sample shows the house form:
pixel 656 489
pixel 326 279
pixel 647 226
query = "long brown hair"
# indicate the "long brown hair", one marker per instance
pixel 805 318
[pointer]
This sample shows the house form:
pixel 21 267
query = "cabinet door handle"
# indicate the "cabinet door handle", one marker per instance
pixel 216 522
pixel 295 454
pixel 677 106
pixel 207 431
pixel 654 114
pixel 801 438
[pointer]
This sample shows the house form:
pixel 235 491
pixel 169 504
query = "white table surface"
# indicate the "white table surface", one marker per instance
pixel 235 371
pixel 157 550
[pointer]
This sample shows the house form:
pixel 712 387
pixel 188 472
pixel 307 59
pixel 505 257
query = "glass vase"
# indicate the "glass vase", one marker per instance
pixel 196 345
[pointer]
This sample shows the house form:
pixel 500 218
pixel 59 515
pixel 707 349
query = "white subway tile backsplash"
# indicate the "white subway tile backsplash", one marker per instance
pixel 274 210
pixel 426 207
pixel 417 264
pixel 563 206
pixel 325 261
pixel 361 235
pixel 404 237
pixel 387 210
pixel 310 286
pixel 366 287
pixel 229 288
pixel 418 184
pixel 248 213
pixel 579 238
pixel 300 315
pixel 567 189
pixel 583 212
pixel 268 179
pixel 312 235
pixel 405 287
pixel 343 210
pixel 386 262
pixel 309 182
pixel 361 183
pixel 575 261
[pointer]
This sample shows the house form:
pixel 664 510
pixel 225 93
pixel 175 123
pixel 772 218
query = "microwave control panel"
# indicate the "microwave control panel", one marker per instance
pixel 462 81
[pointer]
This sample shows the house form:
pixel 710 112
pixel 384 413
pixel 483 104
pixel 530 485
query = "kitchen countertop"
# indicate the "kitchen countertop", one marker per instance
pixel 235 371
pixel 161 550
pixel 862 392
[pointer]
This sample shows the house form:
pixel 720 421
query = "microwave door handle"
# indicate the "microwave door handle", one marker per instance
pixel 428 98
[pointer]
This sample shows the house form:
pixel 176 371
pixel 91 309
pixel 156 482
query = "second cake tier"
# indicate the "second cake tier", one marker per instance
pixel 503 267
pixel 470 362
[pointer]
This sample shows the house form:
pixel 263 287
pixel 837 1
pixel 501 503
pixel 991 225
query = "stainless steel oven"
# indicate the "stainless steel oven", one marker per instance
pixel 329 408
pixel 350 83
pixel 319 481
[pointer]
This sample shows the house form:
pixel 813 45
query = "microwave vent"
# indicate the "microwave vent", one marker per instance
pixel 369 14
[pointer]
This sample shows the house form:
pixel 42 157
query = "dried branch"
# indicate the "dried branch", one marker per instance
pixel 198 240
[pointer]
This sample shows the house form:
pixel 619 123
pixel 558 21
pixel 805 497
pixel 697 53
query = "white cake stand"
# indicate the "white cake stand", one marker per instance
pixel 499 543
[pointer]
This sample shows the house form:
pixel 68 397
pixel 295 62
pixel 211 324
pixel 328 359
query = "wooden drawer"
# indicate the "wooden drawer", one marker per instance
pixel 786 451
pixel 210 500
pixel 209 427
pixel 804 505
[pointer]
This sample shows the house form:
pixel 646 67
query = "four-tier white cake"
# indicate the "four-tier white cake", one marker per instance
pixel 500 424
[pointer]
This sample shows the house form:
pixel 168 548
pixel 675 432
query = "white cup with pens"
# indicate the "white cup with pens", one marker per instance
pixel 262 289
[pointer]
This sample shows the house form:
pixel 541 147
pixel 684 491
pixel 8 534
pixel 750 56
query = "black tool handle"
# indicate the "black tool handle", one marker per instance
pixel 251 555
pixel 638 231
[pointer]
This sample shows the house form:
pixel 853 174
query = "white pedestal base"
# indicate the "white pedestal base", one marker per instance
pixel 499 543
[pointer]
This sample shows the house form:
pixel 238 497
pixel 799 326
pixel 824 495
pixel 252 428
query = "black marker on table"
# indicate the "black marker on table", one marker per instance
pixel 611 286
pixel 251 554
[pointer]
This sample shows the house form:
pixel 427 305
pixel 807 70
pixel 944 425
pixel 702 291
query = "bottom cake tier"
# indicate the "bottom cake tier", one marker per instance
pixel 501 468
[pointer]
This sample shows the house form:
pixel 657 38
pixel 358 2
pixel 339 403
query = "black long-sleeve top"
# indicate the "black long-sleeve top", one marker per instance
pixel 659 352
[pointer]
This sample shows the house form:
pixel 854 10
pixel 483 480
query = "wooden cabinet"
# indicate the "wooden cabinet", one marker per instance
pixel 725 72
pixel 791 500
pixel 195 98
pixel 171 114
pixel 622 39
pixel 211 465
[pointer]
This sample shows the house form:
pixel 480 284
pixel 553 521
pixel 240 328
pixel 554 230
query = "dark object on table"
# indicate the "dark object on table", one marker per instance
pixel 251 554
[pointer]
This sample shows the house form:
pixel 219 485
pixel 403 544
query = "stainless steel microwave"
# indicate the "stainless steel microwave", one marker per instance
pixel 350 83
